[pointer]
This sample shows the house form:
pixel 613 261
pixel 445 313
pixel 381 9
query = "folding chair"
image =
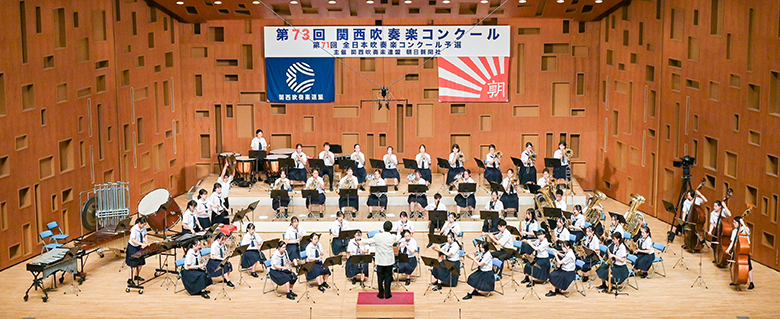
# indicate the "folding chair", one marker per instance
pixel 273 284
pixel 631 273
pixel 661 248
pixel 179 266
pixel 57 237
pixel 51 245
pixel 496 265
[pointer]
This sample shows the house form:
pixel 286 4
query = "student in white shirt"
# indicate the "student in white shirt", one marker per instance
pixel 189 220
pixel 451 252
pixel 437 205
pixel 615 226
pixel 645 253
pixel 219 214
pixel 194 276
pixel 560 171
pixel 224 180
pixel 377 199
pixel 528 228
pixel 692 198
pixel 741 229
pixel 591 241
pixel 258 142
pixel 539 269
pixel 456 165
pixel 465 200
pixel 329 159
pixel 560 233
pixel 282 203
pixel 218 253
pixel 136 242
pixel 451 226
pixel 293 237
pixel 509 198
pixel 384 259
pixel 560 202
pixel 527 173
pixel 391 167
pixel 504 240
pixel 545 179
pixel 360 167
pixel 319 185
pixel 357 272
pixel 403 223
pixel 492 166
pixel 616 251
pixel 494 205
pixel 562 277
pixel 424 164
pixel 350 200
pixel 417 200
pixel 314 253
pixel 253 255
pixel 298 172
pixel 281 270
pixel 577 227
pixel 483 279
pixel 719 212
pixel 338 246
pixel 202 210
pixel 408 246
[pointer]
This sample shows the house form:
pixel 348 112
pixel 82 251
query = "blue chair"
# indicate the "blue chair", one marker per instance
pixel 572 238
pixel 179 267
pixel 205 251
pixel 497 264
pixel 587 224
pixel 631 273
pixel 373 233
pixel 579 286
pixel 57 237
pixel 626 235
pixel 603 248
pixel 661 248
pixel 268 276
pixel 517 243
pixel 51 245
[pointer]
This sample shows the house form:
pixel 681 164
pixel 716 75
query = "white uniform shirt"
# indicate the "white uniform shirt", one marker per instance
pixel 193 258
pixel 218 251
pixel 353 248
pixel 400 226
pixel 688 204
pixel 524 157
pixel 620 253
pixel 294 234
pixel 529 227
pixel 434 206
pixel 189 219
pixel 505 239
pixel 391 161
pixel 646 244
pixel 138 234
pixel 410 247
pixel 453 250
pixel 215 203
pixel 454 227
pixel 454 159
pixel 496 206
pixel 258 144
pixel 714 215
pixel 618 229
pixel 562 233
pixel 384 241
pixel 336 228
pixel 491 158
pixel 542 248
pixel 311 250
pixel 361 159
pixel 328 160
pixel 487 262
pixel 225 186
pixel 318 183
pixel 568 261
pixel 203 205
pixel 254 241
pixel 423 162
pixel 508 187
pixel 564 159
pixel 593 244
pixel 542 181
pixel 561 204
pixel 301 163
pixel 579 221
pixel 279 259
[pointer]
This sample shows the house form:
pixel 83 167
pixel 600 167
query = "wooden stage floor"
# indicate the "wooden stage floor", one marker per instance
pixel 103 295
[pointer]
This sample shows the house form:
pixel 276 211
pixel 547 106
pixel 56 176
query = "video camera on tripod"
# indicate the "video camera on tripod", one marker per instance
pixel 685 162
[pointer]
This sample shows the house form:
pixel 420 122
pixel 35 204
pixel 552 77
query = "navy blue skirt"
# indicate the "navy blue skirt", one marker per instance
pixel 619 273
pixel 349 201
pixel 482 280
pixel 426 175
pixel 452 173
pixel 285 202
pixel 374 200
pixel 539 269
pixel 588 263
pixel 407 268
pixel 509 201
pixel 465 202
pixel 447 278
pixel 195 280
pixel 281 277
pixel 298 174
pixel 316 200
pixel 214 269
pixel 526 249
pixel 204 222
pixel 316 271
pixel 560 171
pixel 251 257
pixel 133 262
pixel 293 251
pixel 561 279
pixel 493 175
pixel 360 173
pixel 644 261
pixel 527 174
pixel 221 218
pixel 353 269
pixel 422 199
pixel 391 173
pixel 338 246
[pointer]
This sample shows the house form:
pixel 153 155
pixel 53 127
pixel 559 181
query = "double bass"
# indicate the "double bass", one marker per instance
pixel 740 269
pixel 722 235
pixel 694 224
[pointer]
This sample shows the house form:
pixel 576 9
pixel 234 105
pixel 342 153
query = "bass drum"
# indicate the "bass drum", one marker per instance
pixel 160 210
pixel 88 219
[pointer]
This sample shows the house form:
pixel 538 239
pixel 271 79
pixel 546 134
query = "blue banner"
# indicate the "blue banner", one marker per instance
pixel 300 80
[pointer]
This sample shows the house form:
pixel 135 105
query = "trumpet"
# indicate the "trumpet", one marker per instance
pixel 355 157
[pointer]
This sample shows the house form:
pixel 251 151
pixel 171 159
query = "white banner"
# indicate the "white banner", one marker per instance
pixel 387 41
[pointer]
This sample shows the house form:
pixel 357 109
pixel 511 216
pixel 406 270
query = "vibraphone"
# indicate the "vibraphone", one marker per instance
pixel 163 250
pixel 48 264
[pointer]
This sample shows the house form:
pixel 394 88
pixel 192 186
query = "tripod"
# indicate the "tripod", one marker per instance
pixel 681 261
pixel 304 270
pixel 700 279
pixel 531 291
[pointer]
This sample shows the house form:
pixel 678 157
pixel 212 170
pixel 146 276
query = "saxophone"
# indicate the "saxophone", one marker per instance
pixel 634 219
pixel 593 215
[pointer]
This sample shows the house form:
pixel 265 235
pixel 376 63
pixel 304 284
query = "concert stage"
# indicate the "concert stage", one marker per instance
pixel 369 306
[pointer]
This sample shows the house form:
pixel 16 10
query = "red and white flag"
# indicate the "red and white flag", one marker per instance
pixel 473 79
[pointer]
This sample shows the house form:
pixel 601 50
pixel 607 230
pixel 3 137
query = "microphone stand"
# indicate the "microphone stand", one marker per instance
pixel 700 280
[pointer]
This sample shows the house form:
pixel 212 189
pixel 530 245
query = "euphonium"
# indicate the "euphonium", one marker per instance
pixel 593 215
pixel 277 184
pixel 634 219
pixel 568 152
pixel 370 180
pixel 310 184
pixel 458 179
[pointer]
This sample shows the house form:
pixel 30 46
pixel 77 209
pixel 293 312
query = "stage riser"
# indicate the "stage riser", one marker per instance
pixel 277 227
pixel 448 200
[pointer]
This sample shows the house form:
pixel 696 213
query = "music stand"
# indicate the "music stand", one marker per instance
pixel 410 164
pixel 377 164
pixel 492 216
pixel 400 258
pixel 360 260
pixel 223 292
pixel 481 166
pixel 670 234
pixel 239 217
pixel 533 188
pixel 348 193
pixel 467 188
pixel 308 194
pixel 379 189
pixel 305 268
pixel 239 251
pixel 316 164
pixel 552 162
pixel 336 148
pixel 332 261
pixel 513 230
pixel 496 187
pixel 437 218
pixel 454 272
pixel 416 189
pixel 431 263
pixel 346 163
pixel 443 164
pixel 436 239
pixel 270 244
pixel 518 163
pixel 279 195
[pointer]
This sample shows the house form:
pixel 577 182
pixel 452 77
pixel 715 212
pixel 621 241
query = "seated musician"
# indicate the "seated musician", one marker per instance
pixel 319 185
pixel 560 202
pixel 189 220
pixel 465 200
pixel 528 228
pixel 136 242
pixel 437 205
pixel 293 237
pixel 492 166
pixel 219 214
pixel 741 228
pixel 617 253
pixel 298 172
pixel 509 198
pixel 615 225
pixel 539 269
pixel 403 223
pixel 562 277
pixel 417 201
pixel 545 179
pixel 314 253
pixel 645 253
pixel 560 172
pixel 360 165
pixel 391 167
pixel 218 254
pixel 281 270
pixel 407 245
pixel 483 279
pixel 494 205
pixel 253 255
pixel 225 180
pixel 591 242
pixel 528 172
pixel 329 159
pixel 203 210
pixel 692 198
pixel 577 227
pixel 337 245
pixel 424 163
pixel 349 181
pixel 194 276
pixel 719 211
pixel 377 199
pixel 451 226
pixel 560 233
pixel 451 252
pixel 503 240
pixel 456 159
pixel 357 272
pixel 282 183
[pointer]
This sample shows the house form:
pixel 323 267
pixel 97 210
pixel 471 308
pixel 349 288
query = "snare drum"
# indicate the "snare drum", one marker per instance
pixel 160 210
pixel 273 164
pixel 245 165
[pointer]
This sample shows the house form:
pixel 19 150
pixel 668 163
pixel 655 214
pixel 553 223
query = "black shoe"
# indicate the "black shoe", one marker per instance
pixel 362 188
pixel 585 279
pixel 408 281
pixel 325 284
pixel 130 282
pixel 467 297
pixel 380 296
pixel 205 295
pixel 550 293
pixel 530 284
pixel 643 275
pixel 354 215
pixel 751 286
pixel 603 286
pixel 370 215
pixel 207 291
pixel 388 296
pixel 525 280
pixel 230 284
pixel 395 187
pixel 254 274
pixel 290 296
pixel 322 215
pixel 321 288
pixel 732 284
pixel 436 288
pixel 354 281
pixel 138 278
pixel 293 294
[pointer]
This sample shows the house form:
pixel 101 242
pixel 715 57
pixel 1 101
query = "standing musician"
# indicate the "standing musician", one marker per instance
pixel 451 226
pixel 203 211
pixel 281 270
pixel 719 212
pixel 591 242
pixel 741 228
pixel 450 251
pixel 377 199
pixel 225 180
pixel 528 228
pixel 403 224
pixel 360 167
pixel 219 214
pixel 253 255
pixel 298 172
pixel 136 242
pixel 562 277
pixel 645 253
pixel 577 227
pixel 502 241
pixel 354 271
pixel 456 165
pixel 539 269
pixel 417 201
pixel 258 142
pixel 194 276
pixel 315 253
pixel 293 237
pixel 465 200
pixel 218 253
pixel 408 246
pixel 282 183
pixel 391 167
pixel 693 197
pixel 483 279
pixel 560 171
pixel 616 252
pixel 189 221
pixel 329 159
pixel 528 172
pixel 492 165
pixel 424 164
pixel 509 198
pixel 349 181
pixel 560 202
pixel 545 179
pixel 560 233
pixel 319 185
pixel 337 245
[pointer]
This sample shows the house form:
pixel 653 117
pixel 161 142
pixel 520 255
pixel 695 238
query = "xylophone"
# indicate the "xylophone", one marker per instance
pixel 57 259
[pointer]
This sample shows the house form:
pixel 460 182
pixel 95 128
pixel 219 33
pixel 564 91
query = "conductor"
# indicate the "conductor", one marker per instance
pixel 385 258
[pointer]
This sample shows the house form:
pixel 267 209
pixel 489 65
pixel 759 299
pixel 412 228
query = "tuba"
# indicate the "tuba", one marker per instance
pixel 634 219
pixel 593 215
